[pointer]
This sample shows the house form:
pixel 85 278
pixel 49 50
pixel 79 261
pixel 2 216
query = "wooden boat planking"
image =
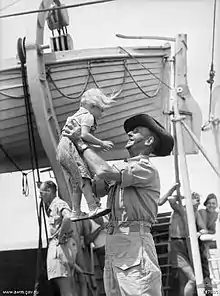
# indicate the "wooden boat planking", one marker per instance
pixel 69 71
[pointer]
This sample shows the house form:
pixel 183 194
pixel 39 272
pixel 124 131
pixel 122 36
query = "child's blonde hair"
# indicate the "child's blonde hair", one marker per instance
pixel 95 96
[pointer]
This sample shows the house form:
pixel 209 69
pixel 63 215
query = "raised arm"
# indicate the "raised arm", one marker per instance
pixel 166 196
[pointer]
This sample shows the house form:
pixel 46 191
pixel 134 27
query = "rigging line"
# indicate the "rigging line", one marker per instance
pixel 130 55
pixel 93 78
pixel 45 225
pixel 10 96
pixel 9 5
pixel 9 157
pixel 29 124
pixel 96 83
pixel 62 93
pixel 54 8
pixel 141 89
pixel 123 82
pixel 212 71
pixel 25 186
pixel 29 114
pixel 214 27
pixel 39 265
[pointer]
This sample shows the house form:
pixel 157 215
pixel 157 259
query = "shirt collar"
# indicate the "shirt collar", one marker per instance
pixel 53 202
pixel 83 109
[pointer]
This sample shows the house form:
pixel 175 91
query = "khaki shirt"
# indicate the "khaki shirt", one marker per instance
pixel 55 215
pixel 136 197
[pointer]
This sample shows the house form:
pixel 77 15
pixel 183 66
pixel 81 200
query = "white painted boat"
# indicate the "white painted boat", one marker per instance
pixel 69 74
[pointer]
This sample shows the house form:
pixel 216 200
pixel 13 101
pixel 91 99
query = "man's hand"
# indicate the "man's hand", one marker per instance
pixel 203 231
pixel 72 131
pixel 107 145
pixel 174 188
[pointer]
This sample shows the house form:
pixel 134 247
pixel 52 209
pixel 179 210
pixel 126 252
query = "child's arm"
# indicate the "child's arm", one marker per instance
pixel 165 197
pixel 89 138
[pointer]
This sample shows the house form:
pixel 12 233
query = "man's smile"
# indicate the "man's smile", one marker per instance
pixel 132 141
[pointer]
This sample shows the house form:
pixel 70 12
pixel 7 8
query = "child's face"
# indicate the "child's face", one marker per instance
pixel 96 111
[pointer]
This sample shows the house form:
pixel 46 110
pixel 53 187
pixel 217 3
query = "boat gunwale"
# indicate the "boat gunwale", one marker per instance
pixel 58 57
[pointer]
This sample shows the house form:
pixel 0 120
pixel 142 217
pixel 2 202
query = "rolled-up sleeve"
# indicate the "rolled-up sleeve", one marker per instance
pixel 138 174
pixel 62 205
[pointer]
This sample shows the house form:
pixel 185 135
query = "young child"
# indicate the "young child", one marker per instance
pixel 92 105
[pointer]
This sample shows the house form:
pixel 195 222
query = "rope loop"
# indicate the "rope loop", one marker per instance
pixel 25 185
pixel 50 78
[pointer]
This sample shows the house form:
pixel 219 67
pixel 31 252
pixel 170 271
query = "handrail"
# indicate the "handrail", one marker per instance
pixel 146 37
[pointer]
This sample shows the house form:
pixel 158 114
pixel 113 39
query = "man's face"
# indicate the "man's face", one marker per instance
pixel 137 137
pixel 45 193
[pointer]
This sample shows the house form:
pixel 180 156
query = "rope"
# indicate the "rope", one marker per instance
pixel 25 186
pixel 141 89
pixel 96 83
pixel 90 74
pixel 9 157
pixel 10 96
pixel 9 5
pixel 210 81
pixel 40 268
pixel 45 225
pixel 31 138
pixel 54 8
pixel 33 158
pixel 130 55
pixel 62 93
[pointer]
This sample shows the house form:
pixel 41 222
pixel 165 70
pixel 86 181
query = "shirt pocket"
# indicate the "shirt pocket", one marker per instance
pixel 126 263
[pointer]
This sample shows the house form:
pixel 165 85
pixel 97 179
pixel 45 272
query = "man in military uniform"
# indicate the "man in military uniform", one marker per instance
pixel 131 264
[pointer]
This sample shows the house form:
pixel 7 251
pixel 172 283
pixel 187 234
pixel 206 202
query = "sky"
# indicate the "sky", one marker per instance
pixel 95 27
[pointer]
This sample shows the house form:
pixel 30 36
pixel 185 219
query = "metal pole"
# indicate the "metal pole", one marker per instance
pixel 179 50
pixel 191 134
pixel 215 106
pixel 189 207
pixel 171 39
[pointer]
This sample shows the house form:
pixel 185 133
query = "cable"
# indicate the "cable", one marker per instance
pixel 130 55
pixel 10 96
pixel 54 8
pixel 62 93
pixel 140 88
pixel 9 5
pixel 25 185
pixel 210 81
pixel 32 146
pixel 9 157
pixel 113 96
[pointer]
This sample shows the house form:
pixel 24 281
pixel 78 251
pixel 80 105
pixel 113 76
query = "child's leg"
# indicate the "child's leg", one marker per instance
pixel 76 199
pixel 87 191
pixel 95 210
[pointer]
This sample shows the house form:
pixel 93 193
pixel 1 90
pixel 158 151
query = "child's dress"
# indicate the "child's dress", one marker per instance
pixel 72 163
